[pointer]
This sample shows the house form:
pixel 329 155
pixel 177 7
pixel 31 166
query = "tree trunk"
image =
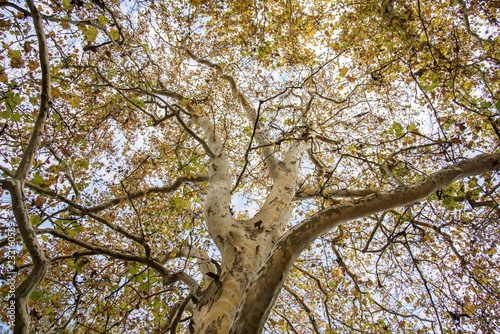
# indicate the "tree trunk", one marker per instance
pixel 255 264
pixel 244 252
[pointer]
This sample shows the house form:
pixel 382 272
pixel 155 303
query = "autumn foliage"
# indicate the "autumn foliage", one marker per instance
pixel 295 166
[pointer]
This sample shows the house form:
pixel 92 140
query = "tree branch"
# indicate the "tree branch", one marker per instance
pixel 306 308
pixel 311 192
pixel 168 278
pixel 40 262
pixel 36 136
pixel 178 182
pixel 204 261
pixel 67 172
pixel 261 293
pixel 194 135
pixel 15 185
pixel 252 115
pixel 277 203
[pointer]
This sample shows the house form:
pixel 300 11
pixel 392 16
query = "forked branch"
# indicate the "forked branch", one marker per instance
pixel 261 293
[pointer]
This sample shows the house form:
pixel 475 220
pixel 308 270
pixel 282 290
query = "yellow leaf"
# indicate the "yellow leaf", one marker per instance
pixel 90 34
pixel 343 71
pixel 74 101
pixel 469 308
pixel 39 201
pixel 196 3
pixel 16 60
pixel 491 251
pixel 115 34
pixel 337 272
pixel 32 65
pixel 55 92
pixel 27 47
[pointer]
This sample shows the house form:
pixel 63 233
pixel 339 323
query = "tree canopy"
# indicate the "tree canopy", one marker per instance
pixel 288 166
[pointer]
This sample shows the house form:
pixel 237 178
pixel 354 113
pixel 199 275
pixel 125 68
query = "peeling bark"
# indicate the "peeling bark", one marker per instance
pixel 257 254
pixel 262 291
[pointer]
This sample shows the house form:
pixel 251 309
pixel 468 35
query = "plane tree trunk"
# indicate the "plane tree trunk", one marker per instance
pixel 257 255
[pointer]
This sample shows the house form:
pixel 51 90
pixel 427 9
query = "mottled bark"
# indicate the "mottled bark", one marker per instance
pixel 265 286
pixel 257 254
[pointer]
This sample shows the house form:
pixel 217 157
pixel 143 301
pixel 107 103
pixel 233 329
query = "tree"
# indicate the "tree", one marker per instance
pixel 240 166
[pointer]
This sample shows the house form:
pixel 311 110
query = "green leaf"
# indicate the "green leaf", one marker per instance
pixel 247 131
pixel 74 101
pixel 485 104
pixel 16 117
pixel 413 128
pixel 115 35
pixel 66 4
pixel 38 180
pixel 16 60
pixel 36 295
pixel 397 129
pixel 90 34
pixel 6 114
pixel 473 182
pixel 15 99
pixel 111 74
pixel 35 220
pixel 449 202
pixel 261 52
pixel 103 20
pixel 134 269
pixel 137 102
pixel 11 101
pixel 82 164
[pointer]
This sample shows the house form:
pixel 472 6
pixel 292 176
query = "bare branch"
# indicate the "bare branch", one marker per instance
pixel 67 172
pixel 306 308
pixel 311 192
pixel 178 309
pixel 466 20
pixel 204 261
pixel 194 135
pixel 76 208
pixel 247 152
pixel 16 7
pixel 36 136
pixel 424 281
pixel 75 255
pixel 176 184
